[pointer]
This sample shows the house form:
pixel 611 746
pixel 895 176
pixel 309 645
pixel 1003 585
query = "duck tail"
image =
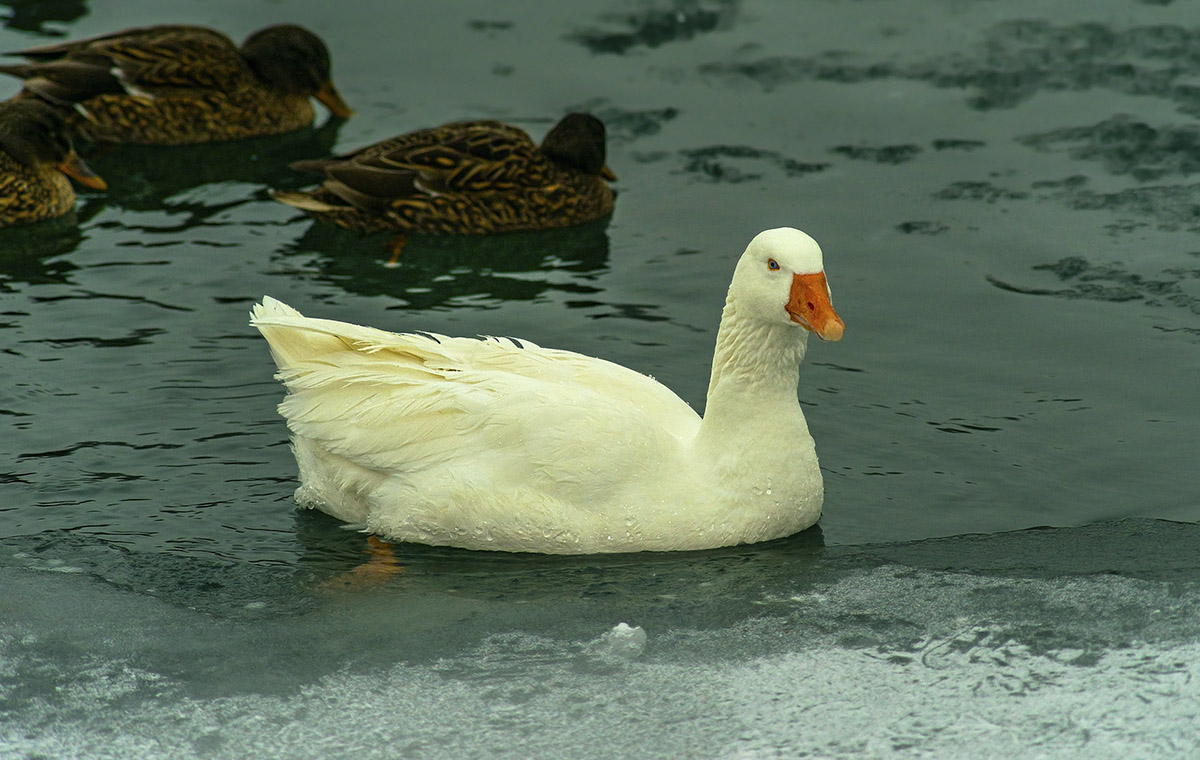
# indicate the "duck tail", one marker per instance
pixel 18 70
pixel 302 200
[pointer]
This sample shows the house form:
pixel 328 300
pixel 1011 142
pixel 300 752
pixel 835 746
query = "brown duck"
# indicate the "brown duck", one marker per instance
pixel 176 85
pixel 465 178
pixel 36 158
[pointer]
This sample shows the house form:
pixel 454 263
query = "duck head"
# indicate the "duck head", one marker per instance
pixel 293 60
pixel 34 133
pixel 578 140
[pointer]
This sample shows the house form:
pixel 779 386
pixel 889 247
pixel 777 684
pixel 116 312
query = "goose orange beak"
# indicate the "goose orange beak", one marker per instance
pixel 809 306
pixel 329 97
pixel 74 167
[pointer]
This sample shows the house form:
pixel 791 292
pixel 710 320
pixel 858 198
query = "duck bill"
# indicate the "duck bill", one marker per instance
pixel 328 96
pixel 608 174
pixel 76 169
pixel 809 306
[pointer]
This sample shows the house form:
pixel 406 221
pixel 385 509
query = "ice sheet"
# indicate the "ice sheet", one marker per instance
pixel 851 654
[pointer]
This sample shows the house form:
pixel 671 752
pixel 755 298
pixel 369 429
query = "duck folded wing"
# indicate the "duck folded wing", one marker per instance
pixel 66 82
pixel 482 156
pixel 481 138
pixel 370 188
pixel 145 61
pixel 454 169
pixel 56 50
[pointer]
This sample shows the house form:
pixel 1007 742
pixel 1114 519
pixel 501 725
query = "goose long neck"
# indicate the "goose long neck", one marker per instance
pixel 755 359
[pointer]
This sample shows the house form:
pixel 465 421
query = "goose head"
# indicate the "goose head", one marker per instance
pixel 780 279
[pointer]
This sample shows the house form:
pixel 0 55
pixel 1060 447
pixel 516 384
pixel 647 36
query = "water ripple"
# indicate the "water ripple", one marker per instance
pixel 1078 278
pixel 887 154
pixel 653 27
pixel 1125 145
pixel 723 163
pixel 1013 62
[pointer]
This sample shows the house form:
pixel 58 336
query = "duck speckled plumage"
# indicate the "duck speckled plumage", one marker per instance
pixel 36 158
pixel 465 178
pixel 177 85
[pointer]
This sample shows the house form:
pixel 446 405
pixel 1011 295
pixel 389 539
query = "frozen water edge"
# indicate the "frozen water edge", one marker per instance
pixel 878 662
pixel 826 702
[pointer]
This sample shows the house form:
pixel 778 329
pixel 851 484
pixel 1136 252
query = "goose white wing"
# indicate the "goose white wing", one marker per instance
pixel 493 411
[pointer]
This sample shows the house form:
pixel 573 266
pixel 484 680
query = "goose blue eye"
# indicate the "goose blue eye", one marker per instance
pixel 772 264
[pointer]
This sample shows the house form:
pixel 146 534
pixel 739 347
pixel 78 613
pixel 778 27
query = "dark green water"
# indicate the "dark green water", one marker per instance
pixel 1008 201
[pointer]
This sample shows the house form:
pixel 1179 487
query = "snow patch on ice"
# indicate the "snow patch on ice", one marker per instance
pixel 622 642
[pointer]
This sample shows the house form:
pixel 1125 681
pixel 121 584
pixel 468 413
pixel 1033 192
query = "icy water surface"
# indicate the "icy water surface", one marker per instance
pixel 1066 643
pixel 1007 198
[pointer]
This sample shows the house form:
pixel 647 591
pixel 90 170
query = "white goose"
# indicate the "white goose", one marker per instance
pixel 500 444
